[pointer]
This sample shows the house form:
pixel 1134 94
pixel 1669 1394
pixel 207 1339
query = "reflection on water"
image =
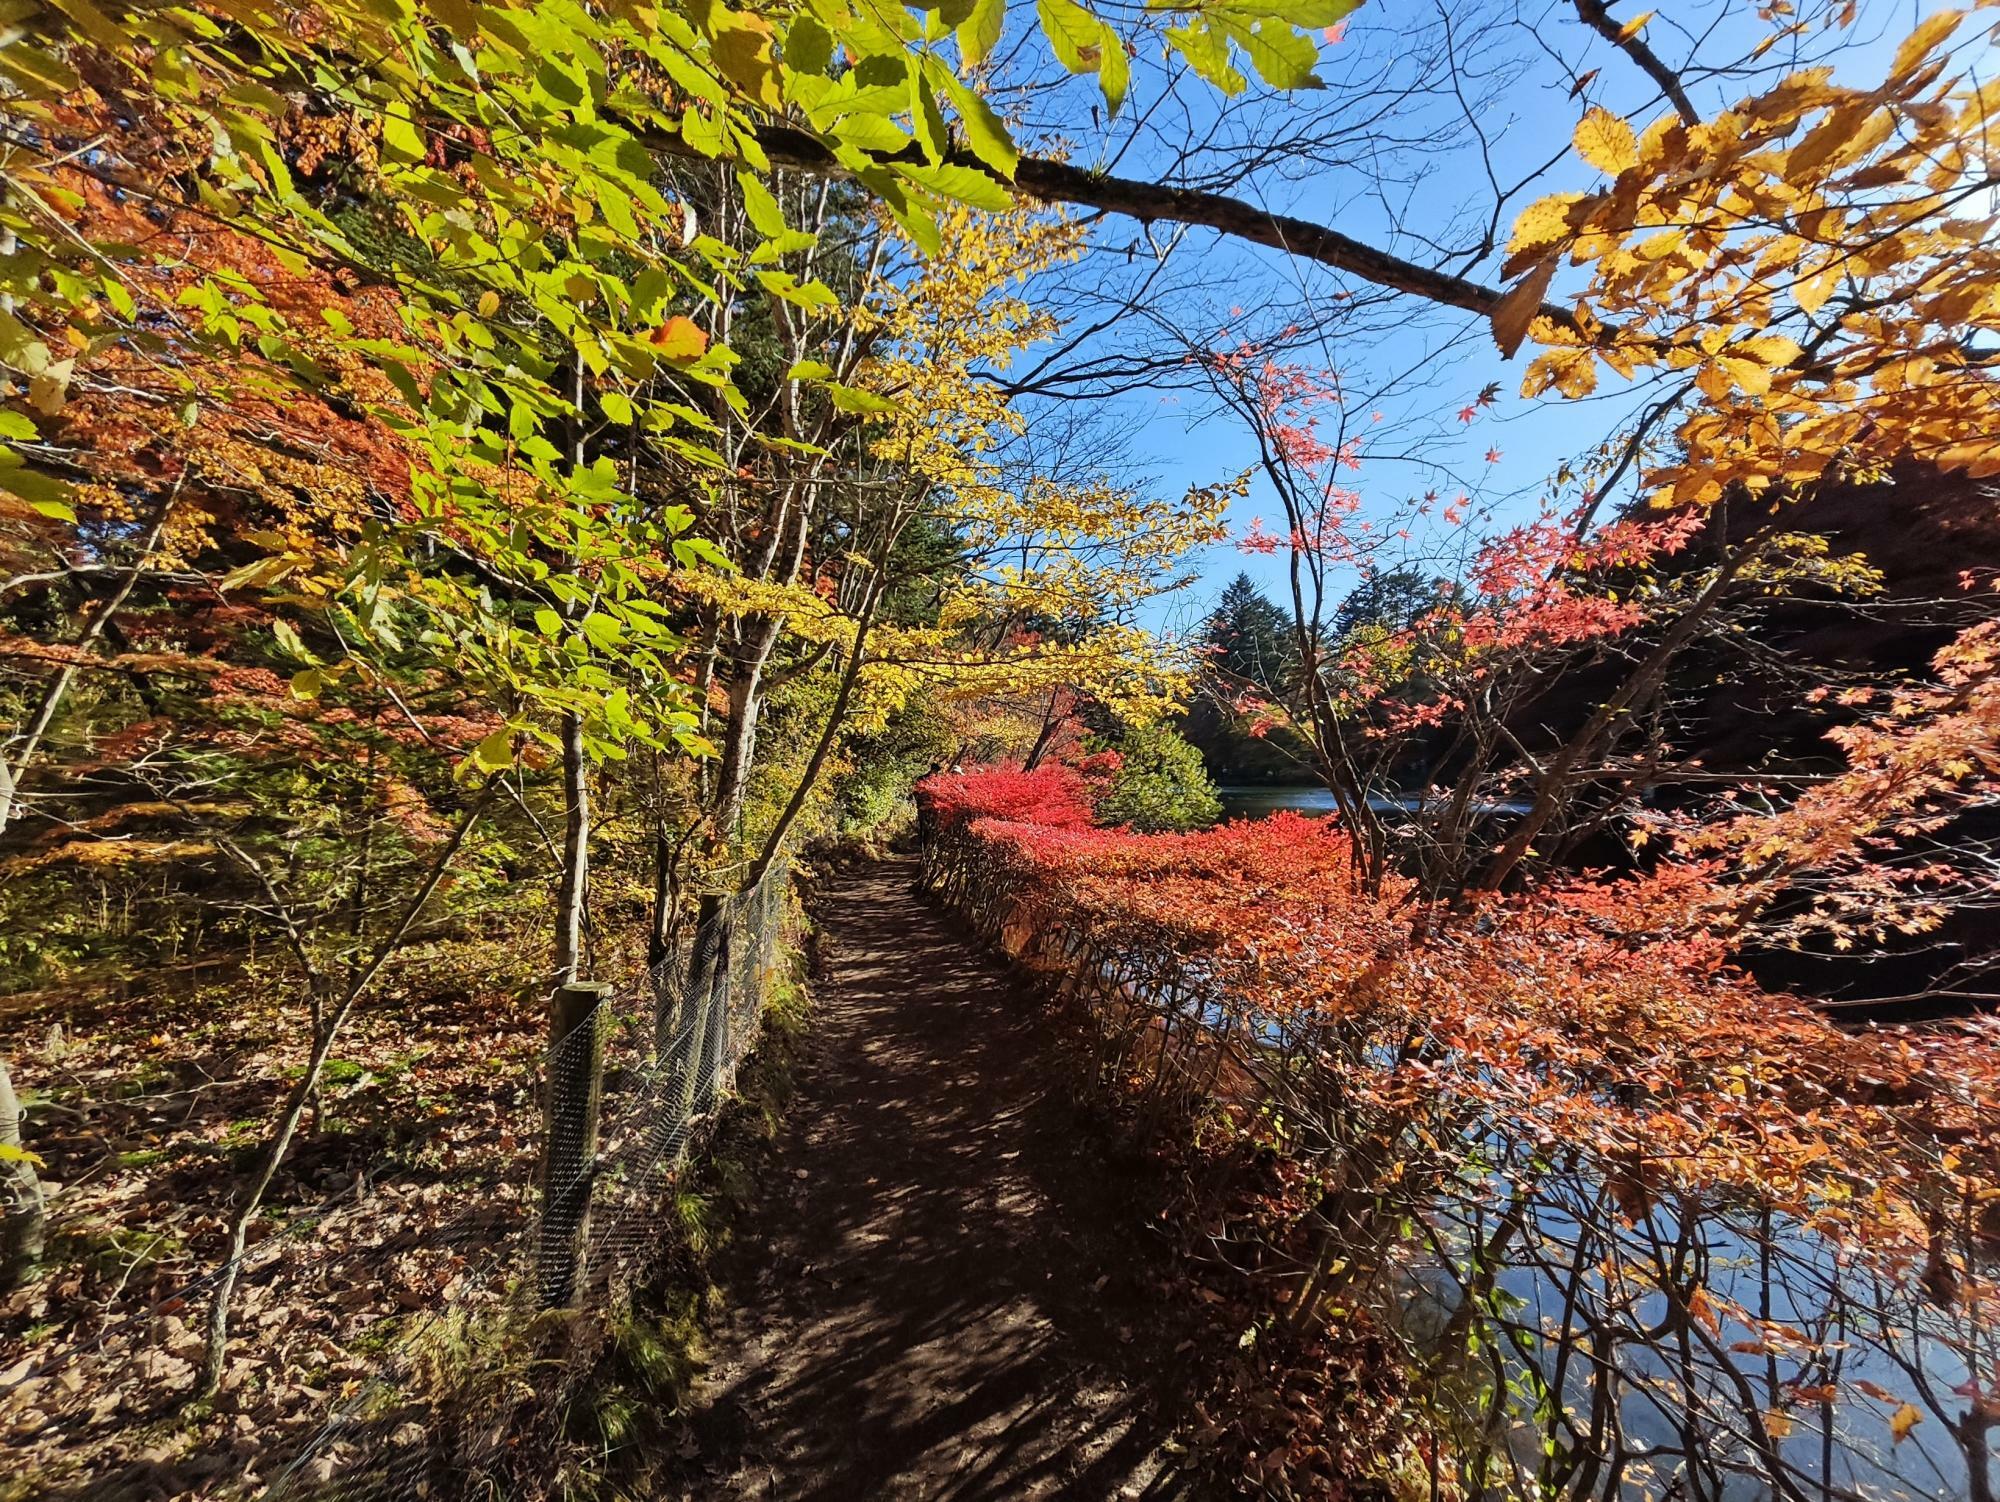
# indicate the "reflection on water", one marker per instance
pixel 1785 1384
pixel 1254 801
pixel 1593 1341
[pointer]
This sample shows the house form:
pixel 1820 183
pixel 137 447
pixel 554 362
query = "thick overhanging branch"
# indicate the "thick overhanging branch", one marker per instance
pixel 1052 182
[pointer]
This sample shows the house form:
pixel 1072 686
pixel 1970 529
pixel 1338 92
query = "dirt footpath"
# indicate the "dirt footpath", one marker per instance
pixel 946 1292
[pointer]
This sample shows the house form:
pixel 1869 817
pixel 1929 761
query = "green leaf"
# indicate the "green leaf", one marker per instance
pixel 861 403
pixel 257 574
pixel 808 46
pixel 765 215
pixel 20 348
pixel 36 73
pixel 47 495
pixel 872 133
pixel 981 32
pixel 1207 52
pixel 791 242
pixel 703 131
pixel 1283 58
pixel 288 641
pixel 120 298
pixel 925 117
pixel 399 135
pixel 985 132
pixel 1308 15
pixel 1075 35
pixel 496 752
pixel 617 406
pixel 965 184
pixel 548 622
pixel 1114 73
pixel 814 297
pixel 99 27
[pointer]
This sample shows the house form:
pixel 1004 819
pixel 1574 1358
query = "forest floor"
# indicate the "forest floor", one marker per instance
pixel 947 1290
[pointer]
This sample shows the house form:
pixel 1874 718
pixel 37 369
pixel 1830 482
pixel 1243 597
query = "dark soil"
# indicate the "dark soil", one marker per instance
pixel 946 1290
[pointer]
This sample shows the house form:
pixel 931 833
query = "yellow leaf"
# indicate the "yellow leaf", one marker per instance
pixel 1516 311
pixel 1606 142
pixel 1774 350
pixel 1923 41
pixel 1906 1419
pixel 1634 26
pixel 1573 372
pixel 1876 129
pixel 1822 141
pixel 1546 221
pixel 1811 293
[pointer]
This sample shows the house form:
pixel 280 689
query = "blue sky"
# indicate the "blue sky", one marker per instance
pixel 1446 151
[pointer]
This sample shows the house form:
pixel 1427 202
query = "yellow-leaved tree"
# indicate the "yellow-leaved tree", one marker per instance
pixel 1812 276
pixel 890 543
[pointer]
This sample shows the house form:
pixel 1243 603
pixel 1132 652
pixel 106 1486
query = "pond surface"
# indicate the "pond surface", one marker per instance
pixel 1255 800
pixel 1879 1347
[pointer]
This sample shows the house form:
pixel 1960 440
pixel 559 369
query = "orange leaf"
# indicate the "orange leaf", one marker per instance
pixel 678 339
pixel 1703 1311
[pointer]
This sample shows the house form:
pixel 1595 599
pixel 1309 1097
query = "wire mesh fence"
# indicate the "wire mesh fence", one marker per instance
pixel 501 1311
pixel 630 1084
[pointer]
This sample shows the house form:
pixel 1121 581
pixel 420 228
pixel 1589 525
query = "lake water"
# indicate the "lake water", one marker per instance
pixel 1255 800
pixel 1844 1452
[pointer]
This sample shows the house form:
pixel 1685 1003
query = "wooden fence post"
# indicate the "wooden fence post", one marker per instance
pixel 569 1137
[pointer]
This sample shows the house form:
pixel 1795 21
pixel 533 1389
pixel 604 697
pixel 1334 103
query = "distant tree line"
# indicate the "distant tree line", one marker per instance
pixel 1249 647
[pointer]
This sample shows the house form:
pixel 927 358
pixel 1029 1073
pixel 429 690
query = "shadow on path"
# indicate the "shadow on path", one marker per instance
pixel 944 1292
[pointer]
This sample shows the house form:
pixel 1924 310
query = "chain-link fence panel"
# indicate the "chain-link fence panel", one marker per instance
pixel 630 1084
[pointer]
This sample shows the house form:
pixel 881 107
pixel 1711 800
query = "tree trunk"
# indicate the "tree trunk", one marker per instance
pixel 23 1211
pixel 732 778
pixel 1050 721
pixel 574 877
pixel 663 900
pixel 739 750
